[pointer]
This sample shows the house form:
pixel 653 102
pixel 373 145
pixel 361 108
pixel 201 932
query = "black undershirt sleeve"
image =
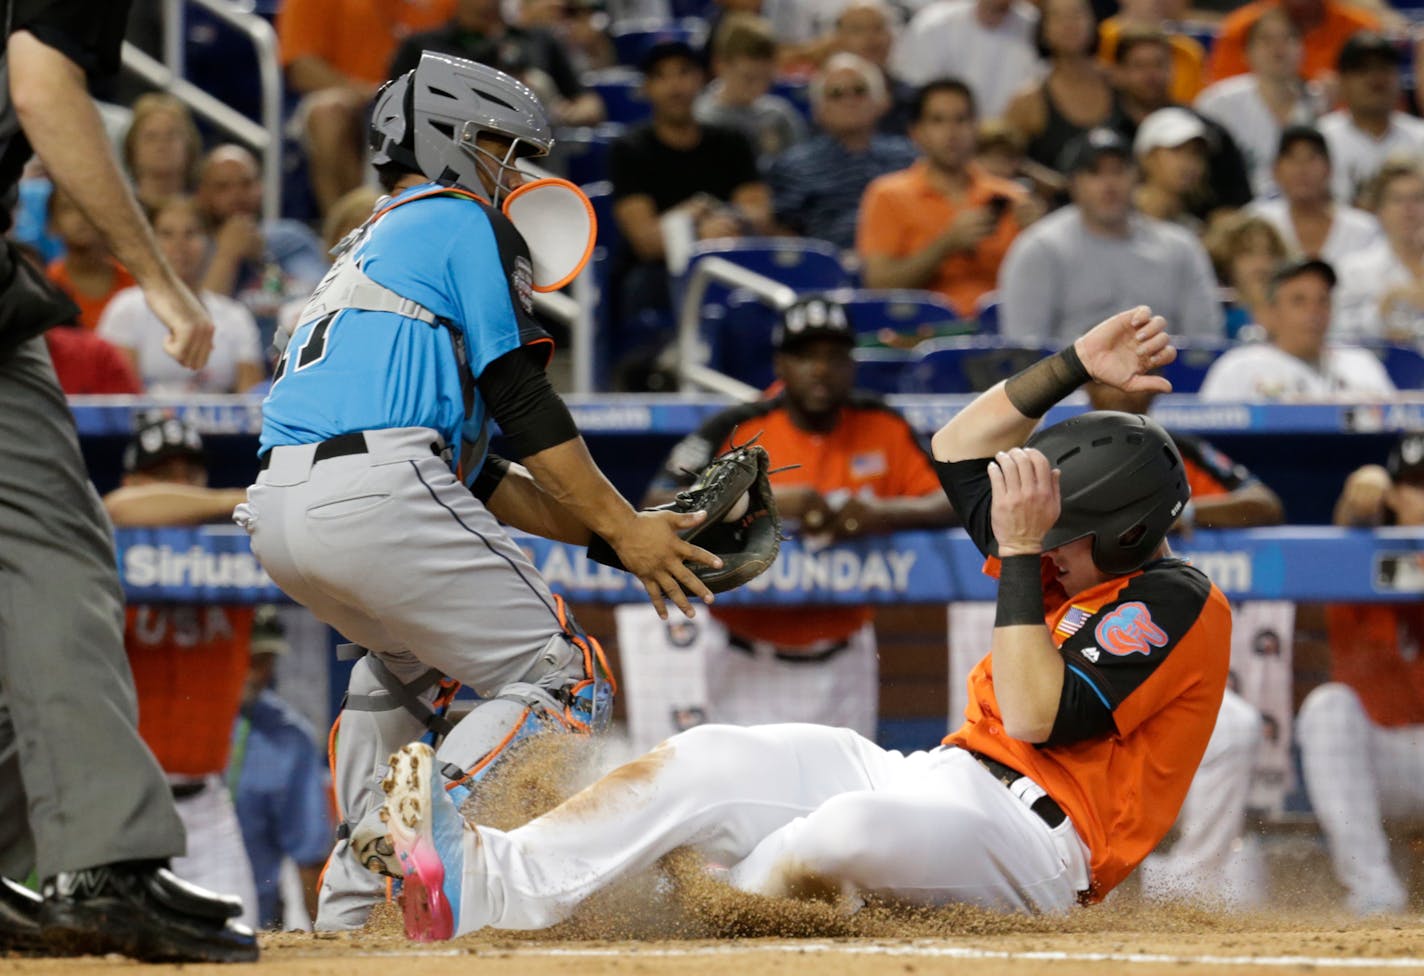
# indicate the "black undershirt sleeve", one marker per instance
pixel 967 485
pixel 530 414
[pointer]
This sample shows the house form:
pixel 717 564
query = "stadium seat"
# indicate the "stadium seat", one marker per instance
pixel 902 310
pixel 986 310
pixel 632 38
pixel 1405 366
pixel 622 92
pixel 1194 358
pixel 802 263
pixel 882 370
pixel 966 364
pixel 581 154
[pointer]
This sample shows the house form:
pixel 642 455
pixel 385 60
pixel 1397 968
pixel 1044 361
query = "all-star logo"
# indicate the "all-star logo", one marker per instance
pixel 523 280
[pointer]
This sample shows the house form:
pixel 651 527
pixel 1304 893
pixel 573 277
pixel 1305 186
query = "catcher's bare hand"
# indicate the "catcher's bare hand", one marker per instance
pixel 651 550
pixel 1122 351
pixel 1026 500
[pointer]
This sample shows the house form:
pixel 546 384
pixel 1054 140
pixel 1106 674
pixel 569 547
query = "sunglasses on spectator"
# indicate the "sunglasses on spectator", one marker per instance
pixel 846 91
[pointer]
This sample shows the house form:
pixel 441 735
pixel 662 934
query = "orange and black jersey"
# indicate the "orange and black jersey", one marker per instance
pixel 1210 472
pixel 1145 662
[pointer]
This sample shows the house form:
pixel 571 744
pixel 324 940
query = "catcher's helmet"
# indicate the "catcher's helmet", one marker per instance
pixel 1122 482
pixel 427 120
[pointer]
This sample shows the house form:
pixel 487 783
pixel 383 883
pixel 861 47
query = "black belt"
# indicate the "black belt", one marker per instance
pixel 183 791
pixel 1047 809
pixel 747 647
pixel 338 446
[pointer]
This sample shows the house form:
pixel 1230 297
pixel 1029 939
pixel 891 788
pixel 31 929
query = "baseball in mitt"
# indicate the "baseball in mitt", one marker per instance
pixel 743 526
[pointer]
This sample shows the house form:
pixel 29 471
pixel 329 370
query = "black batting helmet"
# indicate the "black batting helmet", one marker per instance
pixel 1122 482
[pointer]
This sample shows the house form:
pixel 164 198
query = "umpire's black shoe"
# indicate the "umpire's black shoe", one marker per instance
pixel 143 911
pixel 19 919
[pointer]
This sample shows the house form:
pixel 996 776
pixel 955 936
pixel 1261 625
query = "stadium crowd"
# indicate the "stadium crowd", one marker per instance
pixel 1255 175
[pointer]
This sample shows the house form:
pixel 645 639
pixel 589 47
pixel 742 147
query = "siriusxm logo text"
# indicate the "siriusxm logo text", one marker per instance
pixel 147 565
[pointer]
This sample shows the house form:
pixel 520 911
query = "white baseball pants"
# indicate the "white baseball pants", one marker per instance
pixel 1358 774
pixel 780 805
pixel 216 857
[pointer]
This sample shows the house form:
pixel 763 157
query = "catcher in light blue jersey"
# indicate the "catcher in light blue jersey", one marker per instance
pixel 419 336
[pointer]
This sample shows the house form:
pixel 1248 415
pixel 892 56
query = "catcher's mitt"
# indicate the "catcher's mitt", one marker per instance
pixel 746 537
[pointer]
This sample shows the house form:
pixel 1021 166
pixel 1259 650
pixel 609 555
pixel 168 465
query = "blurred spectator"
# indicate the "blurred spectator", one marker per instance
pixel 161 148
pixel 1308 218
pixel 260 263
pixel 1188 56
pixel 1080 263
pixel 987 43
pixel 1369 128
pixel 1202 862
pixel 478 32
pixel 1381 293
pixel 739 96
pixel 1074 96
pixel 87 272
pixel 1361 735
pixel 581 27
pixel 278 779
pixel 189 661
pixel 1324 26
pixel 1245 251
pixel 1296 362
pixel 1171 152
pixel 128 322
pixel 1254 107
pixel 673 172
pixel 816 187
pixel 867 28
pixel 944 223
pixel 1143 76
pixel 335 53
pixel 861 472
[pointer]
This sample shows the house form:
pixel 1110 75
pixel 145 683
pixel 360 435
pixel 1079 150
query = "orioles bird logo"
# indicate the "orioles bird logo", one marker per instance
pixel 1130 630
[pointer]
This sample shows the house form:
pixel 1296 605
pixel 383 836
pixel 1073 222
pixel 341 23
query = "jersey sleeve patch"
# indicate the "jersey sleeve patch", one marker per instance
pixel 1117 649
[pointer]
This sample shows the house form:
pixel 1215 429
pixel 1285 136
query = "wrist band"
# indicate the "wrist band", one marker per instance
pixel 601 551
pixel 1033 390
pixel 1020 600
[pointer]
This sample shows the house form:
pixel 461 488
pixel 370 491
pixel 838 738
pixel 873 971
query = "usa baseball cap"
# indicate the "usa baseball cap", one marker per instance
pixel 813 317
pixel 1084 151
pixel 159 436
pixel 1406 458
pixel 1167 128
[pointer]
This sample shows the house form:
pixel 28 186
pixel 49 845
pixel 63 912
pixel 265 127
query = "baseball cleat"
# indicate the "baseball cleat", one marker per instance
pixel 427 832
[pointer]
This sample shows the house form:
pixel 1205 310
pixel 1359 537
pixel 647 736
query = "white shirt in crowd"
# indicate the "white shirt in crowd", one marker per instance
pixel 1236 104
pixel 1356 156
pixel 1365 277
pixel 1261 371
pixel 128 322
pixel 945 39
pixel 1351 231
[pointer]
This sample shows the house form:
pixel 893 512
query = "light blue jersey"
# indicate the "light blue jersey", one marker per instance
pixel 365 370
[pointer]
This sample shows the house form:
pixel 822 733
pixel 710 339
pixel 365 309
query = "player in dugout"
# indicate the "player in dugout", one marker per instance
pixel 849 467
pixel 1085 725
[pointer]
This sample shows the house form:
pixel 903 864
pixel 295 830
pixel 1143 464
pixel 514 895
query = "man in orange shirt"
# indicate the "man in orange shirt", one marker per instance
pixel 1085 723
pixel 189 661
pixel 1325 26
pixel 1361 735
pixel 943 224
pixel 335 53
pixel 1188 56
pixel 857 469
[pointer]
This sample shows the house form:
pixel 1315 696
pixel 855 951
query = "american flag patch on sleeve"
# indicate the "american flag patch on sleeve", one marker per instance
pixel 1072 621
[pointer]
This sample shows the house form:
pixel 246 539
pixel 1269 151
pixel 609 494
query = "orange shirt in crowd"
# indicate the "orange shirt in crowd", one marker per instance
pixel 90 306
pixel 1375 648
pixel 1123 791
pixel 1188 59
pixel 1322 42
pixel 189 666
pixel 871 450
pixel 902 212
pixel 356 37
